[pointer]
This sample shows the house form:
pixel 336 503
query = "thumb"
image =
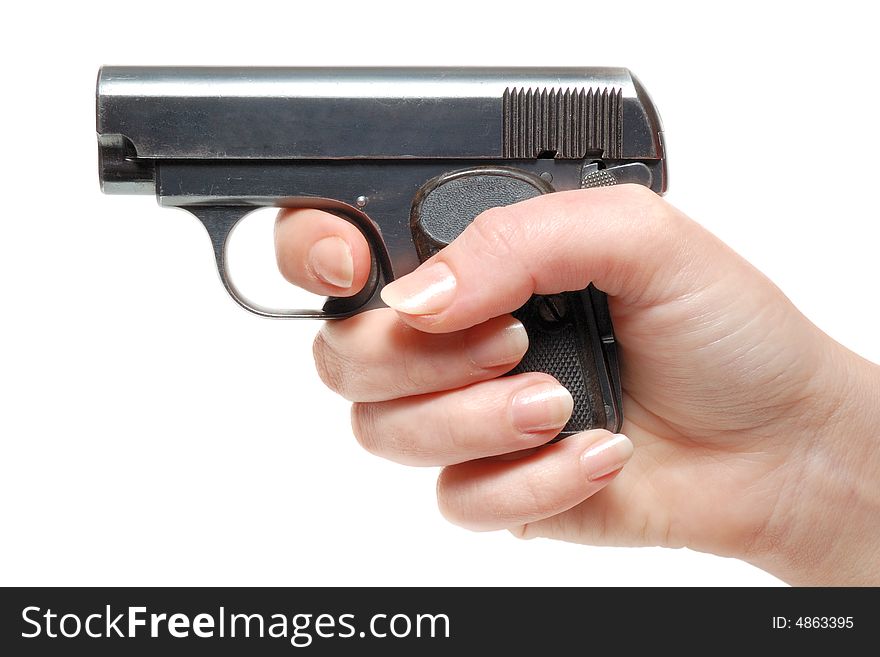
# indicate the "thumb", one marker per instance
pixel 625 239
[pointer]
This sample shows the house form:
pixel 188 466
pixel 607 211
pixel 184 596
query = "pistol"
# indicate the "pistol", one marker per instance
pixel 410 156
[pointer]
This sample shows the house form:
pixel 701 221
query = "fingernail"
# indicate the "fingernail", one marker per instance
pixel 423 292
pixel 605 457
pixel 330 261
pixel 501 347
pixel 541 407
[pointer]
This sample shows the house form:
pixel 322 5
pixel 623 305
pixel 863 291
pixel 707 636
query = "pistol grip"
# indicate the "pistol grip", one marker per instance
pixel 570 334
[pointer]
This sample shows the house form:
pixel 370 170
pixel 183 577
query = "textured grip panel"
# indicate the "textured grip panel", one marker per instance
pixel 444 208
pixel 570 336
pixel 560 345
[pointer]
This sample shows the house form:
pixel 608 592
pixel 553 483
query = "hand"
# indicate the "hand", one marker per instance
pixel 754 432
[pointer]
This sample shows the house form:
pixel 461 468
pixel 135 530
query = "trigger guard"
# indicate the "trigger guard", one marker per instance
pixel 220 222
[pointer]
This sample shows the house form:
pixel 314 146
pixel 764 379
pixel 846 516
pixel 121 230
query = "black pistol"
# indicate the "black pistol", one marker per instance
pixel 410 156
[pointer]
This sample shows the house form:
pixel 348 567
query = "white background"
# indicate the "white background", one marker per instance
pixel 154 433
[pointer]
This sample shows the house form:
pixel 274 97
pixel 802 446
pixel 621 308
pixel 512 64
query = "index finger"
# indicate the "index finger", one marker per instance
pixel 320 252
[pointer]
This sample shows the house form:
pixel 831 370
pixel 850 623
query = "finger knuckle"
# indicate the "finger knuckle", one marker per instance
pixel 495 232
pixel 364 426
pixel 507 509
pixel 461 434
pixel 414 372
pixel 448 502
pixel 650 212
pixel 333 369
pixel 534 497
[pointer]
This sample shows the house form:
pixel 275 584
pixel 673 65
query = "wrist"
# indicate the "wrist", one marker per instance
pixel 825 525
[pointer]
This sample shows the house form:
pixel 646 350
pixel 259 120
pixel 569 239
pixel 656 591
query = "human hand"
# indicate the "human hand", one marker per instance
pixel 753 430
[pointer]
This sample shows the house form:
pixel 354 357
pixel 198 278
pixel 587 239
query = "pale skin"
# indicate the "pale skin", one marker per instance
pixel 749 432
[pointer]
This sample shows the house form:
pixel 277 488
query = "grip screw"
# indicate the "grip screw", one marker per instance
pixel 552 308
pixel 361 201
